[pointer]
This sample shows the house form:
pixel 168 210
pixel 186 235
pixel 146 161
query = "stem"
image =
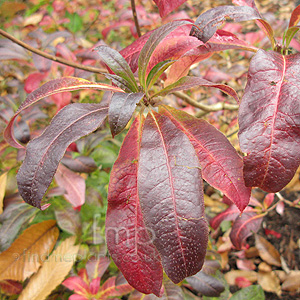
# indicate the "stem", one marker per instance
pixel 53 57
pixel 207 108
pixel 135 18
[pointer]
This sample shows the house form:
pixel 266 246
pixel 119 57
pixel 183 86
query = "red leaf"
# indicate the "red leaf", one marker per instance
pixel 167 6
pixel 230 214
pixel 295 17
pixel 33 81
pixel 269 121
pixel 74 185
pixel 127 238
pixel 243 227
pixel 44 152
pixel 53 87
pixel 10 287
pixel 171 196
pixel 76 284
pixel 97 267
pixel 220 163
pixel 62 99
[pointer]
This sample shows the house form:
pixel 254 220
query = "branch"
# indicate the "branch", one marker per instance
pixel 53 57
pixel 135 18
pixel 207 108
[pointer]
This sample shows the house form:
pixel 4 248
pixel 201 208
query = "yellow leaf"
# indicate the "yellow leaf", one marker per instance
pixel 3 179
pixel 53 271
pixel 28 251
pixel 269 282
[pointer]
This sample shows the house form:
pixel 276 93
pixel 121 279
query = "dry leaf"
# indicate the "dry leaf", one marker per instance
pixel 28 251
pixel 33 19
pixel 267 251
pixel 53 272
pixel 269 282
pixel 292 282
pixel 264 267
pixel 232 275
pixel 3 179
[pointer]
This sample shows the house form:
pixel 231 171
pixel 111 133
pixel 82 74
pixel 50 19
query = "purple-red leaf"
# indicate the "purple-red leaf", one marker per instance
pixel 189 82
pixel 207 23
pixel 230 214
pixel 295 17
pixel 171 197
pixel 167 6
pixel 44 152
pixel 55 86
pixel 81 164
pixel 221 165
pixel 269 121
pixel 156 37
pixel 206 284
pixel 247 223
pixel 121 108
pixel 128 241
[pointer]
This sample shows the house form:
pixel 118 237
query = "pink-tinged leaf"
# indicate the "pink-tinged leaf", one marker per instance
pixel 264 25
pixel 207 23
pixel 280 208
pixel 268 200
pixel 122 286
pixel 74 185
pixel 167 6
pixel 295 17
pixel 121 108
pixel 269 121
pixel 77 297
pixel 81 164
pixel 230 214
pixel 189 82
pixel 171 197
pixel 244 226
pixel 53 87
pixel 61 99
pixel 97 267
pixel 128 241
pixel 10 287
pixel 109 289
pixel 33 81
pixel 205 284
pixel 76 284
pixel 156 37
pixel 221 165
pixel 95 285
pixel 44 152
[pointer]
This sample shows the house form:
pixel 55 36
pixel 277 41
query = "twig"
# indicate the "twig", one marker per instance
pixel 207 108
pixel 53 57
pixel 135 18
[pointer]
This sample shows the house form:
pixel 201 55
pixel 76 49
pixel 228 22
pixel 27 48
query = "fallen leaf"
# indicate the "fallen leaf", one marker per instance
pixel 292 282
pixel 53 271
pixel 264 267
pixel 3 179
pixel 28 251
pixel 232 275
pixel 267 251
pixel 269 282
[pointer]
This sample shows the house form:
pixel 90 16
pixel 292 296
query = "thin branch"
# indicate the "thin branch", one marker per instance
pixel 53 57
pixel 207 108
pixel 135 18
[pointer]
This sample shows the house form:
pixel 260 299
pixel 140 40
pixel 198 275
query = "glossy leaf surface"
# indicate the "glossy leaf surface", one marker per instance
pixel 243 227
pixel 221 165
pixel 167 6
pixel 206 284
pixel 171 197
pixel 189 82
pixel 121 108
pixel 115 61
pixel 269 121
pixel 156 37
pixel 128 241
pixel 53 87
pixel 207 23
pixel 44 152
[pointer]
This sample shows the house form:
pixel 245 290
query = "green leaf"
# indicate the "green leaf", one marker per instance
pixel 253 292
pixel 156 37
pixel 116 62
pixel 289 34
pixel 156 71
pixel 76 23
